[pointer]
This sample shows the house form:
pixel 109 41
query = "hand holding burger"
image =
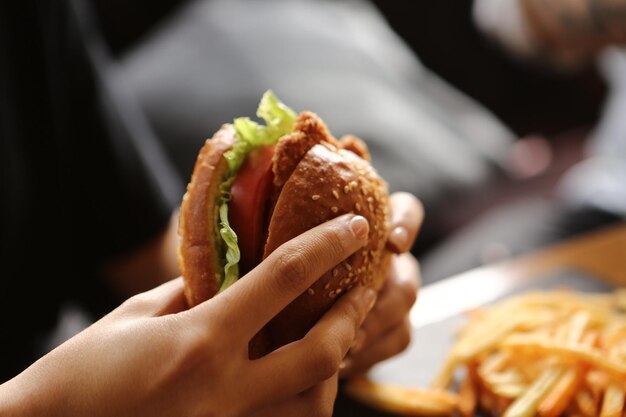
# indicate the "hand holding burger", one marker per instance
pixel 256 187
pixel 154 355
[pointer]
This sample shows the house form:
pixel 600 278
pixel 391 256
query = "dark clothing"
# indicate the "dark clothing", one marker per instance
pixel 83 180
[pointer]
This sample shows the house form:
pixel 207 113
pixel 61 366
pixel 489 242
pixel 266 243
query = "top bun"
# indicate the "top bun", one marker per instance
pixel 327 182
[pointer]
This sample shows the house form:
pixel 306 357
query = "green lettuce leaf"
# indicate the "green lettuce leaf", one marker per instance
pixel 279 121
pixel 229 237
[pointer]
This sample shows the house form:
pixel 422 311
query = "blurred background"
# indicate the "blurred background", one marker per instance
pixel 482 135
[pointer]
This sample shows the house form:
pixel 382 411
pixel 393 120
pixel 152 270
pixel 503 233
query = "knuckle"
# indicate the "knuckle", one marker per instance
pixel 353 311
pixel 137 303
pixel 404 338
pixel 292 270
pixel 326 359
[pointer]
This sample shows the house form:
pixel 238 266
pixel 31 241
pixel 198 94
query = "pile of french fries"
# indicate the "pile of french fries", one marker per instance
pixel 544 353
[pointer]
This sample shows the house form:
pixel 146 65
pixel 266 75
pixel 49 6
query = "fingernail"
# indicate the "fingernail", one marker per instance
pixel 360 227
pixel 399 239
pixel 359 340
pixel 370 298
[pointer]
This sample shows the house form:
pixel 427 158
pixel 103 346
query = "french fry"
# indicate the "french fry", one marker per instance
pixel 526 405
pixel 597 382
pixel 586 404
pixel 555 403
pixel 444 377
pixel 403 400
pixel 493 363
pixel 581 353
pixel 468 396
pixel 579 324
pixel 613 402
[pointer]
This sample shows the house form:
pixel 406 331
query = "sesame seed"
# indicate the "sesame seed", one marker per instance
pixel 334 209
pixel 348 266
pixel 315 197
pixel 336 194
pixel 327 286
pixel 338 291
pixel 370 199
pixel 353 185
pixel 357 206
pixel 332 294
pixel 346 189
pixel 335 272
pixel 311 291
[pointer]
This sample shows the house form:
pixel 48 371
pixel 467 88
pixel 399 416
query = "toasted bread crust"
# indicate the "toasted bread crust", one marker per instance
pixel 327 183
pixel 199 254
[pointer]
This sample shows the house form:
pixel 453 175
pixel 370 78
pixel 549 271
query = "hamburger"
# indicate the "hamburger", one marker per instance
pixel 255 186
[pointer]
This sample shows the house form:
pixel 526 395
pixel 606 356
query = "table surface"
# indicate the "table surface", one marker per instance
pixel 601 254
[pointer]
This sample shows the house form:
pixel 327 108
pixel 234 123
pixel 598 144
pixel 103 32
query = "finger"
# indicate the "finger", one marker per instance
pixel 165 299
pixel 407 214
pixel 394 341
pixel 317 356
pixel 394 302
pixel 287 273
pixel 316 401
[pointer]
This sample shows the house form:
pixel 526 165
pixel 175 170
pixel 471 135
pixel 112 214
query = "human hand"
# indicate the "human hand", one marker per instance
pixel 386 330
pixel 152 357
pixel 564 33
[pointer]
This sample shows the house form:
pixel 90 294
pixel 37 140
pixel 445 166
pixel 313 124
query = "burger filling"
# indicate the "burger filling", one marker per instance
pixel 247 185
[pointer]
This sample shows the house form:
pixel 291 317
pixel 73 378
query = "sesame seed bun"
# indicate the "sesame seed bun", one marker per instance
pixel 327 183
pixel 316 178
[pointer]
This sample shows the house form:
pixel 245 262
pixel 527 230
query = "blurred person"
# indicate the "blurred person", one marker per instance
pixel 563 35
pixel 204 60
pixel 89 219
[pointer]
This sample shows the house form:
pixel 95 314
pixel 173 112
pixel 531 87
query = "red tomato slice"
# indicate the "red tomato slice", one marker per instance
pixel 247 209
